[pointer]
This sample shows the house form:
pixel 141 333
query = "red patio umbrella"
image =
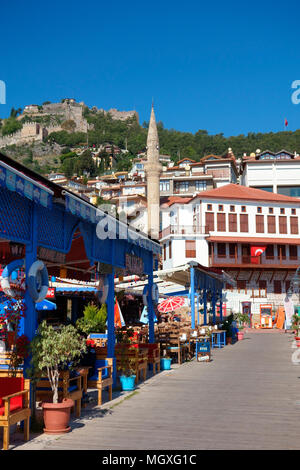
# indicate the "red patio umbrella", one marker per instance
pixel 170 304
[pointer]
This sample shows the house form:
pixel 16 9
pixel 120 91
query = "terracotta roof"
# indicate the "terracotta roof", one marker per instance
pixel 255 240
pixel 239 192
pixel 169 201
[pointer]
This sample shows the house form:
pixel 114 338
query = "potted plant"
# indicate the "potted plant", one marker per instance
pixel 93 320
pixel 227 326
pixel 52 350
pixel 165 363
pixel 296 328
pixel 127 377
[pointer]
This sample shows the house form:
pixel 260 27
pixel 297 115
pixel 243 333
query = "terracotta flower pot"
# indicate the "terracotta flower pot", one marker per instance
pixel 240 335
pixel 57 416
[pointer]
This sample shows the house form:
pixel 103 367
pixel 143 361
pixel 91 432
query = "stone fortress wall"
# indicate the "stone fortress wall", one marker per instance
pixel 68 110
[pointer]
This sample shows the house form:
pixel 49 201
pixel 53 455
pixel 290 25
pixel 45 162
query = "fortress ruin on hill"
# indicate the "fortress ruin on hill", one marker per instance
pixel 41 120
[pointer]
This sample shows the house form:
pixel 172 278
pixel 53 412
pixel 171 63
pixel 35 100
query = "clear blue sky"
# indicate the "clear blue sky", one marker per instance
pixel 221 66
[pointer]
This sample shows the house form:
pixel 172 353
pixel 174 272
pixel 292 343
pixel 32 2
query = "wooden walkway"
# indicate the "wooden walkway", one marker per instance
pixel 248 397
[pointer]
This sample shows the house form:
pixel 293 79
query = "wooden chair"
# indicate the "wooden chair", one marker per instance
pixel 14 405
pixel 5 367
pixel 135 359
pixel 153 355
pixel 175 347
pixel 68 387
pixel 102 377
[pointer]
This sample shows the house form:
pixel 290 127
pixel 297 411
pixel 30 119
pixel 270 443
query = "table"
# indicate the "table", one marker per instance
pixel 218 338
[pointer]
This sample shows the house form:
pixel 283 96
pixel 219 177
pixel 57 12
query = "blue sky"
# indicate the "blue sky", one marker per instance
pixel 221 66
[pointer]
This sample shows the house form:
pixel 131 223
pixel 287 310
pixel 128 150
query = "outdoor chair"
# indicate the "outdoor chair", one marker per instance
pixel 102 377
pixel 69 386
pixel 14 405
pixel 133 358
pixel 153 355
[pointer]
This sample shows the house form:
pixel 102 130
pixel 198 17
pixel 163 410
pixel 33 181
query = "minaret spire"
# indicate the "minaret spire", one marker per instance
pixel 153 170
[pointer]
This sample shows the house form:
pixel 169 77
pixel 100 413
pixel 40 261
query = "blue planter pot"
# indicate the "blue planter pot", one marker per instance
pixel 127 383
pixel 165 364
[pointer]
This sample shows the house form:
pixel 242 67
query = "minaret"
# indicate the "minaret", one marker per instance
pixel 153 169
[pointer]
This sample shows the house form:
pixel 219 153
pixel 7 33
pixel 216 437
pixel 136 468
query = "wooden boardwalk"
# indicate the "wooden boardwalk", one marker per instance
pixel 248 397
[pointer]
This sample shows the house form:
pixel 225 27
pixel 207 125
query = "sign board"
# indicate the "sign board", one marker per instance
pixel 51 293
pixel 134 264
pixel 51 255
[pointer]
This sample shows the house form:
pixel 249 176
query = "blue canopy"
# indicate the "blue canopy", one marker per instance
pixel 45 305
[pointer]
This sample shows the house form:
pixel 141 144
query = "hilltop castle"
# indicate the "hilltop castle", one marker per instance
pixel 55 117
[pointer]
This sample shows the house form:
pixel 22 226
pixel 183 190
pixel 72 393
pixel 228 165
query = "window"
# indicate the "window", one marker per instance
pixel 200 185
pixel 221 250
pixel 209 207
pixel 262 284
pixel 190 248
pixel 232 208
pixel 241 284
pixel 260 228
pixel 293 211
pixel 244 223
pixel 259 210
pixel 281 250
pixel 271 224
pixel 282 224
pixel 232 250
pixel 220 207
pixel 282 211
pixel 221 223
pixel 270 252
pixel 294 225
pixel 183 186
pixel 170 249
pixel 209 222
pixel 277 287
pixel 165 252
pixel 232 219
pixel 293 251
pixel 243 209
pixel 271 210
pixel 164 186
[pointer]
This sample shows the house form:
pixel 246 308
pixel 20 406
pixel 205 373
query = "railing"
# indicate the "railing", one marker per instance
pixel 183 230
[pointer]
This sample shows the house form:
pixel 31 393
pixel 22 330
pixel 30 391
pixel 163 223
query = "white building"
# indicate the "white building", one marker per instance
pixel 275 172
pixel 218 228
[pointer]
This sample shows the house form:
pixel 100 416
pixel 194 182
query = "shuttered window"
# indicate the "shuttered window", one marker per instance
pixel 221 250
pixel 294 225
pixel 282 224
pixel 210 221
pixel 293 251
pixel 271 224
pixel 190 249
pixel 170 249
pixel 165 252
pixel 260 224
pixel 277 287
pixel 232 219
pixel 221 224
pixel 244 223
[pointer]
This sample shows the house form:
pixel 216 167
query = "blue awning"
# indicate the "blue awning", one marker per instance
pixel 12 179
pixel 45 305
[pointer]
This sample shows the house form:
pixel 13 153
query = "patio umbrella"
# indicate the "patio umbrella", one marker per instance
pixel 170 304
pixel 119 320
pixel 45 305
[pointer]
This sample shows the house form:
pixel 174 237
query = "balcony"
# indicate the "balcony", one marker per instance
pixel 183 230
pixel 246 262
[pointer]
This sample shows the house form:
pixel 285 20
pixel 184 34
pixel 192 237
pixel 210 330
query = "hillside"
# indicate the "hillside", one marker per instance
pixel 101 127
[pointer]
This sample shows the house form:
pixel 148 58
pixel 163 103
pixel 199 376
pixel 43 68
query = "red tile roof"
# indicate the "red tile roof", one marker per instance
pixel 239 192
pixel 175 200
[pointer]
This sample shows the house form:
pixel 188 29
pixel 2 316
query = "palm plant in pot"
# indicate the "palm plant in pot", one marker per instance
pixel 53 350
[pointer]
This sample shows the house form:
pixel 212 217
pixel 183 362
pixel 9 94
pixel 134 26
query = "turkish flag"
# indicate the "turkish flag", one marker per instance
pixel 285 123
pixel 256 251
